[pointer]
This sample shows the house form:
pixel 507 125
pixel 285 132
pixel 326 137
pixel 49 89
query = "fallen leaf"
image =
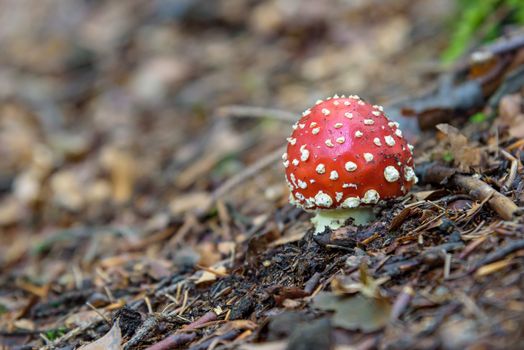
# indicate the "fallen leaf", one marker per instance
pixel 286 293
pixel 24 324
pixel 356 312
pixel 211 274
pixel 509 107
pixel 511 114
pixel 112 340
pixel 429 195
pixel 464 155
pixel 399 219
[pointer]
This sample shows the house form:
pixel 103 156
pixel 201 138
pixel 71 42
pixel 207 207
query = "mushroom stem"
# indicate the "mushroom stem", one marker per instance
pixel 335 218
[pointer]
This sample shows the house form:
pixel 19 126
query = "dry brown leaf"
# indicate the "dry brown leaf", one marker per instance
pixel 399 219
pixel 24 323
pixel 429 195
pixel 211 274
pixel 112 340
pixel 509 108
pixel 464 155
pixel 511 114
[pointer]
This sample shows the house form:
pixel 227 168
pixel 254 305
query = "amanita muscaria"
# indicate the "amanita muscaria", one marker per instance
pixel 343 157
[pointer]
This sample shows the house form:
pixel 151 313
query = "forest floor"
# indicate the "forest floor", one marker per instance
pixel 142 204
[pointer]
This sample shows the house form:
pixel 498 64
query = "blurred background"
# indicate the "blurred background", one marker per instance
pixel 108 109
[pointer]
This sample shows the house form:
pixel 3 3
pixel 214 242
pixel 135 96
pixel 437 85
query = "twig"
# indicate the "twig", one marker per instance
pixel 440 316
pixel 499 254
pixel 504 45
pixel 148 304
pixel 480 190
pixel 447 265
pixel 25 332
pixel 511 84
pixel 211 270
pixel 476 188
pixel 471 247
pixel 108 321
pixel 427 223
pixel 402 302
pixel 472 213
pixel 226 336
pixel 512 170
pixel 310 285
pixel 181 337
pixel 173 341
pixel 470 304
pixel 256 112
pixel 148 327
pixel 71 334
pixel 109 294
pixel 44 338
pixel 516 145
pixel 207 317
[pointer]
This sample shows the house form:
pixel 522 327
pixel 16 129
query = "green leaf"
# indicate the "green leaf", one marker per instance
pixel 480 21
pixel 478 118
pixel 448 157
pixel 55 333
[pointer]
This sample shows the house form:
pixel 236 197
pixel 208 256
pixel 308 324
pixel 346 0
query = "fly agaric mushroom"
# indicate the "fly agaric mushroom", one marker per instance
pixel 344 156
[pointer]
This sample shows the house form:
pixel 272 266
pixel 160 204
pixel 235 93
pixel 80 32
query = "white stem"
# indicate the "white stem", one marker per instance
pixel 335 218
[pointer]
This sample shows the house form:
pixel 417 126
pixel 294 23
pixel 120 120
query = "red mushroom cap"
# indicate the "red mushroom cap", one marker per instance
pixel 344 153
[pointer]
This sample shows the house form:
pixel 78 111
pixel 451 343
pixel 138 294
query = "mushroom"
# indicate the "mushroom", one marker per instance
pixel 344 156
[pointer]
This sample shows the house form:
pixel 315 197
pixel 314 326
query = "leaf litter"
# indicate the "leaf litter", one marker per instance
pixel 139 189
